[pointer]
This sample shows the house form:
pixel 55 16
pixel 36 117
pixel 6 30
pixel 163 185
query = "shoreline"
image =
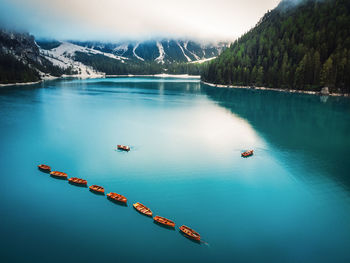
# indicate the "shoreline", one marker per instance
pixel 279 90
pixel 21 83
pixel 180 76
pixel 163 75
pixel 183 76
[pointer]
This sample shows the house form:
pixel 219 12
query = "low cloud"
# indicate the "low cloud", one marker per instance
pixel 138 19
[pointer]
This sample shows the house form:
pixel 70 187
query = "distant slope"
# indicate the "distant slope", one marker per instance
pixel 64 55
pixel 94 59
pixel 163 51
pixel 304 46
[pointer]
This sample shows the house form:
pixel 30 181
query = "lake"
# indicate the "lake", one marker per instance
pixel 289 202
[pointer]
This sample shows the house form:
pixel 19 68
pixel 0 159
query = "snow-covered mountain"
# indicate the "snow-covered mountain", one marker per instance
pixel 33 60
pixel 21 61
pixel 161 51
pixel 93 59
pixel 64 56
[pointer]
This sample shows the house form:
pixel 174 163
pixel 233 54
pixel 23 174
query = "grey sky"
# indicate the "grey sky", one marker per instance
pixel 137 19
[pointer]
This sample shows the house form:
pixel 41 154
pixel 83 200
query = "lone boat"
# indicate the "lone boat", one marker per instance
pixel 117 197
pixel 44 168
pixel 247 153
pixel 190 233
pixel 164 221
pixel 97 189
pixel 58 174
pixel 75 180
pixel 123 147
pixel 143 209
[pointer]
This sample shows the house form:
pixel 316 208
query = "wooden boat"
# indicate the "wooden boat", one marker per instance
pixel 123 147
pixel 75 180
pixel 143 209
pixel 247 153
pixel 190 233
pixel 44 168
pixel 58 174
pixel 97 189
pixel 117 197
pixel 164 221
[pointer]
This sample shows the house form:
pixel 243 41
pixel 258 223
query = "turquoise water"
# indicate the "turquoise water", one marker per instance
pixel 290 202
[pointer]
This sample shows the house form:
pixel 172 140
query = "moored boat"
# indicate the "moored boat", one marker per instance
pixel 44 168
pixel 58 174
pixel 247 153
pixel 143 209
pixel 79 181
pixel 190 233
pixel 117 197
pixel 123 147
pixel 164 221
pixel 97 189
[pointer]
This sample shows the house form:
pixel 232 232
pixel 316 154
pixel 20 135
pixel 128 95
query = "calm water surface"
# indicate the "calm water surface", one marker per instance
pixel 290 202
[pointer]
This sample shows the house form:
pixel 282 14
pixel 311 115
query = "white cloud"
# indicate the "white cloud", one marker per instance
pixel 137 19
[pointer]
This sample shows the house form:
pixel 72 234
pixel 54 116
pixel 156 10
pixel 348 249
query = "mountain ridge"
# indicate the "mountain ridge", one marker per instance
pixel 161 50
pixel 45 59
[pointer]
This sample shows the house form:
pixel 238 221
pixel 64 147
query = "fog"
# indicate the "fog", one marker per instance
pixel 134 20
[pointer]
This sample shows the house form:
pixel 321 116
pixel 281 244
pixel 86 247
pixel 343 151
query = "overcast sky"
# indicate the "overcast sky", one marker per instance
pixel 134 19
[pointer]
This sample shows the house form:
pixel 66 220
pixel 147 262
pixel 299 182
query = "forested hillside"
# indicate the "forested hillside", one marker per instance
pixel 13 70
pixel 294 46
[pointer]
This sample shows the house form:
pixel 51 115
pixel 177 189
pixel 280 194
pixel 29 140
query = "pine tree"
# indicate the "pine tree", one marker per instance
pixel 299 79
pixel 317 68
pixel 284 68
pixel 327 73
pixel 260 76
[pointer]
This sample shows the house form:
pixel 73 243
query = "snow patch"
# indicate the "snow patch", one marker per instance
pixel 195 56
pixel 69 49
pixel 183 52
pixel 133 51
pixel 160 58
pixel 121 48
pixel 63 57
pixel 203 60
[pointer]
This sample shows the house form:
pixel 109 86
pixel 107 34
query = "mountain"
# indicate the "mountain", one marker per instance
pixel 24 59
pixel 65 55
pixel 21 61
pixel 298 45
pixel 161 51
pixel 148 57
